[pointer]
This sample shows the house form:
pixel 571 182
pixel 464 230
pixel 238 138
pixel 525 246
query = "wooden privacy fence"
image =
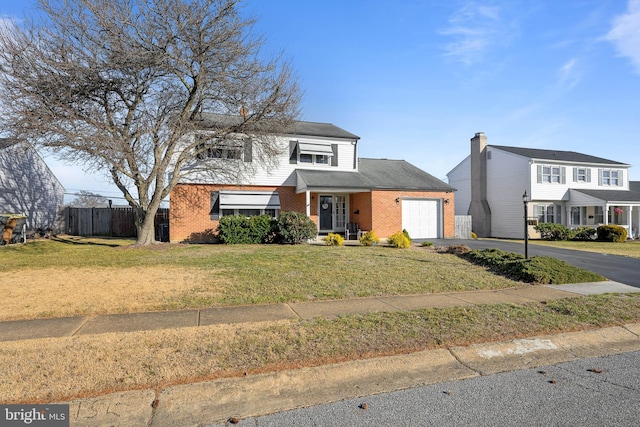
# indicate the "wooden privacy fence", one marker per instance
pixel 462 226
pixel 112 222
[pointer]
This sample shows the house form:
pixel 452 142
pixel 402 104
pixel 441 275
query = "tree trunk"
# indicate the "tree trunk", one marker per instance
pixel 146 229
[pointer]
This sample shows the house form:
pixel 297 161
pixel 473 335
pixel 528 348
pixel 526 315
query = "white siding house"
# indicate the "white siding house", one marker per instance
pixel 565 187
pixel 27 185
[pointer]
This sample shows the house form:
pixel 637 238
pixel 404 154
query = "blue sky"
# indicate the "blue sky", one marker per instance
pixel 417 79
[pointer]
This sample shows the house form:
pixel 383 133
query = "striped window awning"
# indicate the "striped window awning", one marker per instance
pixel 311 148
pixel 237 199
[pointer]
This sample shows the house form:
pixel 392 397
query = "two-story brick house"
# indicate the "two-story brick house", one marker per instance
pixel 564 187
pixel 317 172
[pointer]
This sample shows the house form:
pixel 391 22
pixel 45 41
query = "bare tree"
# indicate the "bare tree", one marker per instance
pixel 122 85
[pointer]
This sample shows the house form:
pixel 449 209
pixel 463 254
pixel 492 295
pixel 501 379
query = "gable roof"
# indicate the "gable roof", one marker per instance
pixel 327 130
pixel 630 195
pixel 373 174
pixel 557 155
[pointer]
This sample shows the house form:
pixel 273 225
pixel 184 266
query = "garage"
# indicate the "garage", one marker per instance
pixel 422 218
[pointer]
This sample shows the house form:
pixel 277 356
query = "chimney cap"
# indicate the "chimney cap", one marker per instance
pixel 479 133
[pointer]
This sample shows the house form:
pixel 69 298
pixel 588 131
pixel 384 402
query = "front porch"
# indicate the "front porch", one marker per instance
pixel 624 215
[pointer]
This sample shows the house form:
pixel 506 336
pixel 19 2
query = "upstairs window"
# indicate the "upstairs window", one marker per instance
pixel 581 175
pixel 313 153
pixel 610 177
pixel 214 148
pixel 551 174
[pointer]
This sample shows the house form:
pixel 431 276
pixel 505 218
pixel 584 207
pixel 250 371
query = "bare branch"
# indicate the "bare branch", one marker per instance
pixel 120 85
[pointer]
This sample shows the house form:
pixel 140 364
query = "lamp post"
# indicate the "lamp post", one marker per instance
pixel 526 199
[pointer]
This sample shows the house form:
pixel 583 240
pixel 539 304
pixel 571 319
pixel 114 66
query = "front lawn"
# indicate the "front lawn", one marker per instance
pixel 78 276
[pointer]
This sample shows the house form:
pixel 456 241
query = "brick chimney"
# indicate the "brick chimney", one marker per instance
pixel 479 207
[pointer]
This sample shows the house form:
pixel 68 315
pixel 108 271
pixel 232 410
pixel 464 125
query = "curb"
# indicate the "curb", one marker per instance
pixel 255 395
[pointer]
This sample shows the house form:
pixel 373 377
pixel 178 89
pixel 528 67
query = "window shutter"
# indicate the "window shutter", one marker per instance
pixel 620 177
pixel 248 151
pixel 588 174
pixel 334 158
pixel 215 205
pixel 575 174
pixel 293 152
pixel 563 175
pixel 599 176
pixel 539 174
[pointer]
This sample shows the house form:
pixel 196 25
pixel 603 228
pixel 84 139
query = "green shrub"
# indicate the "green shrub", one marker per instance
pixel 369 239
pixel 334 239
pixel 474 235
pixel 294 228
pixel 582 233
pixel 242 230
pixel 406 234
pixel 539 269
pixel 398 240
pixel 427 244
pixel 612 233
pixel 552 231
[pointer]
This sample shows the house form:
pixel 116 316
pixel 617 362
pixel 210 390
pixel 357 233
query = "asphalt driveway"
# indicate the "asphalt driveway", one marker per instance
pixel 614 267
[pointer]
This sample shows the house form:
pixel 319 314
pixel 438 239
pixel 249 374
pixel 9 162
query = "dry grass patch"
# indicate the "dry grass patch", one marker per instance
pixel 59 292
pixel 47 370
pixel 92 276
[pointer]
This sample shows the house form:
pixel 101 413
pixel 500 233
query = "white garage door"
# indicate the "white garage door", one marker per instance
pixel 421 218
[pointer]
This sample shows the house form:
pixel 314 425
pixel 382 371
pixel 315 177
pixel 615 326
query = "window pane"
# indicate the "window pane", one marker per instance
pixel 249 212
pixel 575 216
pixel 599 215
pixel 270 212
pixel 322 159
pixel 306 158
pixel 226 212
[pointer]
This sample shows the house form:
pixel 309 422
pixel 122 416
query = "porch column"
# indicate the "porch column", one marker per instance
pixel 629 222
pixel 606 214
pixel 308 198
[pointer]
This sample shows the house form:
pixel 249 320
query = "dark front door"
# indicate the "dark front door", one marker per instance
pixel 326 213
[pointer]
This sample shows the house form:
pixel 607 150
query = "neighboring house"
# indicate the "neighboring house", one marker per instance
pixel 27 185
pixel 565 187
pixel 318 173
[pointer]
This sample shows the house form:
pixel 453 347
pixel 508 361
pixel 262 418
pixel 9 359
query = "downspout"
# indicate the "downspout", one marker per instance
pixel 308 200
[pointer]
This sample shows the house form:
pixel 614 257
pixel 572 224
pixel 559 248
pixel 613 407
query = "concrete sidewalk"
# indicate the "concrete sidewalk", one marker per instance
pixel 218 401
pixel 70 326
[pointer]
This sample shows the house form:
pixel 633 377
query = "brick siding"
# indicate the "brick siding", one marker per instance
pixel 190 205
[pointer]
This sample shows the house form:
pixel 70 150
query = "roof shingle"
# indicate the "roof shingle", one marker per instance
pixel 557 155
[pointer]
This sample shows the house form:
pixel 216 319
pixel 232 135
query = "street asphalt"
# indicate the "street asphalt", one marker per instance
pixel 583 393
pixel 616 268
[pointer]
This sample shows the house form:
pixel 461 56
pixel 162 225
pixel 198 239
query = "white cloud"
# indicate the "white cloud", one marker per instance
pixel 625 33
pixel 474 28
pixel 569 74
